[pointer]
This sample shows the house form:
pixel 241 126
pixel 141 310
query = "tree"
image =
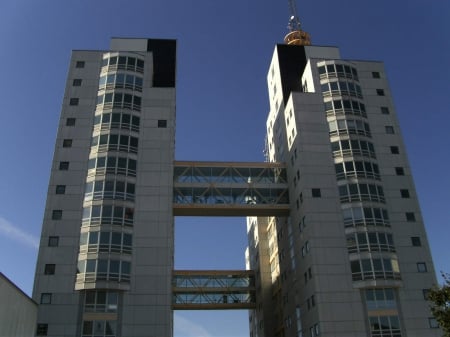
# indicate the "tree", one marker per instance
pixel 440 304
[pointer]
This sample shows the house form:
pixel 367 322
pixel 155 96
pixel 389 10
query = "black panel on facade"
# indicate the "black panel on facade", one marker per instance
pixel 164 62
pixel 292 61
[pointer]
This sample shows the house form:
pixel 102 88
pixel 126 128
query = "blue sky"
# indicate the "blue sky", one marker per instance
pixel 224 49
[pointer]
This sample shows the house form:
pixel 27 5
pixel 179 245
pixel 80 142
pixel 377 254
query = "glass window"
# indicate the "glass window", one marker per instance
pixel 432 322
pixel 67 143
pixel 375 74
pixel 162 123
pixel 79 64
pixel 76 82
pixel 421 267
pixel 389 129
pixel 46 298
pixel 60 189
pixel 70 121
pixel 399 171
pixel 41 329
pixel 57 214
pixel 415 241
pixel 404 193
pixel 395 150
pixel 74 101
pixel 64 165
pixel 385 110
pixel 53 241
pixel 410 216
pixel 380 92
pixel 316 193
pixel 49 269
pixel 140 64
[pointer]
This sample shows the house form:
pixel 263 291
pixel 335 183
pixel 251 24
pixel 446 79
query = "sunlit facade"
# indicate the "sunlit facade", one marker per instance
pixel 352 259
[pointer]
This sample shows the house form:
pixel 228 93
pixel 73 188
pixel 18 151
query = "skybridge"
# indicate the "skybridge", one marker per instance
pixel 213 289
pixel 230 189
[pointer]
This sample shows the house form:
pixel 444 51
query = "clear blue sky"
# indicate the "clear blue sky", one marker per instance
pixel 224 49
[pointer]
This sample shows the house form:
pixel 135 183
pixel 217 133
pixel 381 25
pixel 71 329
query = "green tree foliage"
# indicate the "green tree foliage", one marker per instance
pixel 440 304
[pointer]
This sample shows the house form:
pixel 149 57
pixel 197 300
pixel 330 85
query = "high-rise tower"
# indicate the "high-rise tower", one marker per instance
pixel 352 259
pixel 106 253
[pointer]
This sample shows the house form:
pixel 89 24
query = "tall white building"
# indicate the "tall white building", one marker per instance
pixel 106 253
pixel 352 259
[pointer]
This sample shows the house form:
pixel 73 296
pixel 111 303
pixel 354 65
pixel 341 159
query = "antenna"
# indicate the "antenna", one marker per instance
pixel 294 21
pixel 295 36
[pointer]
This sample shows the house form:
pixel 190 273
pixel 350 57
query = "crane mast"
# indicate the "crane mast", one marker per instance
pixel 296 35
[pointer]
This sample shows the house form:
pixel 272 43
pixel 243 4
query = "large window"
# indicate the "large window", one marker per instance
pixel 101 301
pixel 113 165
pixel 106 242
pixel 116 120
pixel 345 107
pixel 365 216
pixel 370 242
pixel 384 326
pixel 341 88
pixel 361 192
pixel 380 298
pixel 114 142
pixel 349 126
pixel 121 81
pixel 120 100
pixel 99 329
pixel 124 62
pixel 108 215
pixel 337 70
pixel 109 189
pixel 378 268
pixel 353 147
pixel 104 269
pixel 359 169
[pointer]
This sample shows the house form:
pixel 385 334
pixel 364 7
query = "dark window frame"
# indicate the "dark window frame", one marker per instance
pixel 47 297
pixel 399 171
pixel 57 214
pixel 380 92
pixel 395 149
pixel 70 121
pixel 53 241
pixel 415 241
pixel 67 142
pixel 49 269
pixel 74 101
pixel 60 189
pixel 63 165
pixel 316 193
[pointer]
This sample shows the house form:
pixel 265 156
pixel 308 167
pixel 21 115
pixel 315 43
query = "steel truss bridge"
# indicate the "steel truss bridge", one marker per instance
pixel 224 189
pixel 213 289
pixel 230 189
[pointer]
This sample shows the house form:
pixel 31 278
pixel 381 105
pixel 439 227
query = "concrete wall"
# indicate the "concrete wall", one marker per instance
pixel 17 311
